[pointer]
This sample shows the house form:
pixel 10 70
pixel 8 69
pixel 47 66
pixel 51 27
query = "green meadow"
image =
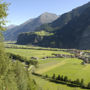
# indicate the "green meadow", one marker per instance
pixel 28 53
pixel 70 67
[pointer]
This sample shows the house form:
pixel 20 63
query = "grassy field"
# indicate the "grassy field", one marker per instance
pixel 28 53
pixel 63 66
pixel 71 68
pixel 67 67
pixel 46 85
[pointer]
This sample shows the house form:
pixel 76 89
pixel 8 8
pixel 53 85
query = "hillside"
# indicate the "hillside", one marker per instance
pixel 75 34
pixel 30 25
pixel 64 19
pixel 32 37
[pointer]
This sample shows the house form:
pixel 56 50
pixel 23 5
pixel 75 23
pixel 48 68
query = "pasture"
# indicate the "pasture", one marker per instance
pixel 70 67
pixel 28 53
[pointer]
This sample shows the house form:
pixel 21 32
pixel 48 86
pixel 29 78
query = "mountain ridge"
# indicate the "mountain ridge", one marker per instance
pixel 64 18
pixel 29 25
pixel 74 34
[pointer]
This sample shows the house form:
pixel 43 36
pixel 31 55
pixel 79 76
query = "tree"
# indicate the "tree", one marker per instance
pixel 77 82
pixel 23 79
pixel 3 14
pixel 58 78
pixel 88 86
pixel 62 78
pixel 13 76
pixel 82 83
pixel 53 77
pixel 65 78
pixel 46 76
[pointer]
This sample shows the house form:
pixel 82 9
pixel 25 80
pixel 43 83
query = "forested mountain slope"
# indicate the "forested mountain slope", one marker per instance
pixel 64 19
pixel 75 34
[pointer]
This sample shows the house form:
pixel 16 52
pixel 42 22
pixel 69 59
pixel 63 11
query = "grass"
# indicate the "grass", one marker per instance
pixel 63 66
pixel 46 85
pixel 48 65
pixel 67 67
pixel 28 53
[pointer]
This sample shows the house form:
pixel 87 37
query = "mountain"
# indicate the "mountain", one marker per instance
pixel 74 34
pixel 10 27
pixel 30 25
pixel 64 19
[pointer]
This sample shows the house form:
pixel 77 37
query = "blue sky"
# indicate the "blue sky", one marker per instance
pixel 22 10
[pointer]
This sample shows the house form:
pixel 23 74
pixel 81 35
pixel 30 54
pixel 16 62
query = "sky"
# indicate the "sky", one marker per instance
pixel 20 11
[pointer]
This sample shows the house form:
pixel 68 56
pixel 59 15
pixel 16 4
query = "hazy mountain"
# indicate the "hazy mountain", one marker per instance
pixel 10 27
pixel 30 25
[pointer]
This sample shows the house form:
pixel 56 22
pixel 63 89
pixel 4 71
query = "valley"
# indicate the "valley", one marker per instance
pixel 43 50
pixel 70 67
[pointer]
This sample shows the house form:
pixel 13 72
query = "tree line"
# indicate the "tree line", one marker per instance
pixel 65 80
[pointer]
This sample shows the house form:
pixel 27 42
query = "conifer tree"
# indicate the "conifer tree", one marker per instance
pixel 62 78
pixel 88 86
pixel 53 77
pixel 58 78
pixel 82 83
pixel 77 82
pixel 65 78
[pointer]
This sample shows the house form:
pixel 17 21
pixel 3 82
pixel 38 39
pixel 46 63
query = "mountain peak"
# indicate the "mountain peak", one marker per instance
pixel 11 26
pixel 48 17
pixel 47 13
pixel 29 26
